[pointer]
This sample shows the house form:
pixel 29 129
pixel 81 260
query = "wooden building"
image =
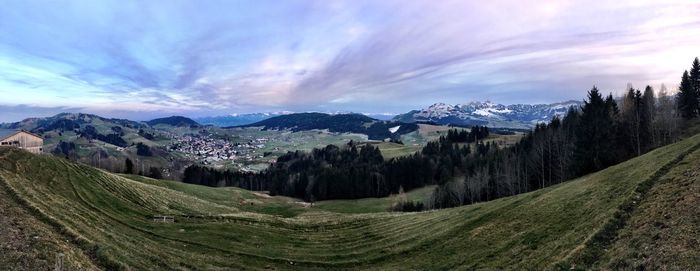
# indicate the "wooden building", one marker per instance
pixel 21 139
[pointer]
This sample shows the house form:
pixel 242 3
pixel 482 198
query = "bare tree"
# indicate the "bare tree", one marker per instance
pixel 667 119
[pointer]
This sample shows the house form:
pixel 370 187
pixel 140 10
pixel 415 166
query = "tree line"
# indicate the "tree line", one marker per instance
pixel 350 171
pixel 473 135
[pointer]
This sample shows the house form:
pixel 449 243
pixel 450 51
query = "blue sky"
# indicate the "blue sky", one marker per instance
pixel 144 59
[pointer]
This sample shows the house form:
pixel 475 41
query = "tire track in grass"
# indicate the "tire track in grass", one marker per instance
pixel 83 244
pixel 606 235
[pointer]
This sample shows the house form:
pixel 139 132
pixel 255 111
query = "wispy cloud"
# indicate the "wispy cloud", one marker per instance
pixel 194 57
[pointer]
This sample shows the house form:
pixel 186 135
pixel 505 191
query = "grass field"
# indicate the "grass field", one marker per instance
pixel 372 205
pixel 108 216
pixel 392 150
pixel 283 206
pixel 231 196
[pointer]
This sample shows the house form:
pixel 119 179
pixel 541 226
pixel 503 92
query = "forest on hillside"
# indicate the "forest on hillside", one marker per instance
pixel 603 132
pixel 338 123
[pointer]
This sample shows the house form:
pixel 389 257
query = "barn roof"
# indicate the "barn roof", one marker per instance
pixel 5 133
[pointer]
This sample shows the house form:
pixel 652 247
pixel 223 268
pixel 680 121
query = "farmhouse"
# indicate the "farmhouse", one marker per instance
pixel 21 139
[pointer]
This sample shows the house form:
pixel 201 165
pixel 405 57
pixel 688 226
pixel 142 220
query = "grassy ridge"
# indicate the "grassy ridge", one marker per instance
pixel 528 231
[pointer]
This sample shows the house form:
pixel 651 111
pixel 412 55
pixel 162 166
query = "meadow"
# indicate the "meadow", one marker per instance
pixel 107 219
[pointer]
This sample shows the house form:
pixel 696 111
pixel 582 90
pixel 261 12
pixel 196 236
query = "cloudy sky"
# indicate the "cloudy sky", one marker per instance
pixel 142 59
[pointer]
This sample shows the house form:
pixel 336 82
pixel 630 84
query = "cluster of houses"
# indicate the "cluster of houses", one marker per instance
pixel 207 150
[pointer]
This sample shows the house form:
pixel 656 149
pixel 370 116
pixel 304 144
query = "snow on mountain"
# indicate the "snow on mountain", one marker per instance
pixel 488 113
pixel 394 129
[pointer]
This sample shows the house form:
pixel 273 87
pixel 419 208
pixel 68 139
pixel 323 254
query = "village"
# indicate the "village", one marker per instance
pixel 206 149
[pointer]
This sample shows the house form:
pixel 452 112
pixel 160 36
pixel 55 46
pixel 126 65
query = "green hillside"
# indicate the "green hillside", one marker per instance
pixel 574 224
pixel 338 123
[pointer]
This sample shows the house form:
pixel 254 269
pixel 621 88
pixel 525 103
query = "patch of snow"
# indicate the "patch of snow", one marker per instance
pixel 394 129
pixel 501 111
pixel 483 112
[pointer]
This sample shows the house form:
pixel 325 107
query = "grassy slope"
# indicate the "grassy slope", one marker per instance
pixel 663 233
pixel 231 196
pixel 528 231
pixel 392 150
pixel 372 205
pixel 27 243
pixel 283 206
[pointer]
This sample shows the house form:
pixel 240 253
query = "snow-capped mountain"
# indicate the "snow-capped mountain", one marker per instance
pixel 489 114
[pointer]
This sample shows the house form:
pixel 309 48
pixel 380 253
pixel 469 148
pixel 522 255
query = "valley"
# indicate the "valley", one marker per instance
pixel 175 143
pixel 349 135
pixel 110 215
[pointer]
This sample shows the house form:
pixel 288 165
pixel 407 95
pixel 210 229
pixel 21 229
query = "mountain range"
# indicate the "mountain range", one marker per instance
pixel 517 116
pixel 520 116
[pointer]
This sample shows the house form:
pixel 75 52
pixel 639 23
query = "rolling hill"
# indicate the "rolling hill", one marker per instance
pixel 67 122
pixel 337 123
pixel 179 121
pixel 605 220
pixel 106 142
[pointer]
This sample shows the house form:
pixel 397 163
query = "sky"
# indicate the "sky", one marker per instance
pixel 146 59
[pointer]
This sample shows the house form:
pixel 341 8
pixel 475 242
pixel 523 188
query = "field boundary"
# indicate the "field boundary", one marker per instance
pixel 602 239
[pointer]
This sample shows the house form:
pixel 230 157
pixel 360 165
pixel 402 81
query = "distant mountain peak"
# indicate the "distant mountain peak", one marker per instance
pixel 488 113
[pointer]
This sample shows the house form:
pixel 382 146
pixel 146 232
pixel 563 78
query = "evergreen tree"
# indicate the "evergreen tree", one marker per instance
pixel 143 150
pixel 610 103
pixel 594 147
pixel 695 77
pixel 687 98
pixel 155 173
pixel 128 166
